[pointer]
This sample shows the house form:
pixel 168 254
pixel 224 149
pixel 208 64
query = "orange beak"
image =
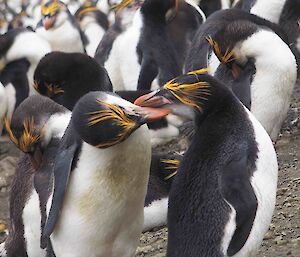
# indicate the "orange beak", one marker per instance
pixel 151 114
pixel 152 100
pixel 48 22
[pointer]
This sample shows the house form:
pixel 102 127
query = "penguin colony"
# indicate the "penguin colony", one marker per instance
pixel 88 88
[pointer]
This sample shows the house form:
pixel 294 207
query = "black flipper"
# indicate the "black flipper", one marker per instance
pixel 62 171
pixel 237 190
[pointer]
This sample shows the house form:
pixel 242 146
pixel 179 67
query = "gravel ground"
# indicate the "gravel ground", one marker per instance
pixel 283 238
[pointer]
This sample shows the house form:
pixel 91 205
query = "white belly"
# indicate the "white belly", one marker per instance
pixel 32 226
pixel 264 183
pixel 102 215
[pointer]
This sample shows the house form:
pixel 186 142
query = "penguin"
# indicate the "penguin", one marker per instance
pixel 101 208
pixel 36 129
pixel 22 43
pixel 93 23
pixel 263 79
pixel 223 196
pixel 60 28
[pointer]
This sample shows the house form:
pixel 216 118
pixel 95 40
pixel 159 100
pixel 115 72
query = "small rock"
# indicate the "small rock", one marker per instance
pixel 268 236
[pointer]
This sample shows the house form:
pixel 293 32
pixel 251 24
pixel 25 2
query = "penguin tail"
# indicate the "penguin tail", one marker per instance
pixel 3 250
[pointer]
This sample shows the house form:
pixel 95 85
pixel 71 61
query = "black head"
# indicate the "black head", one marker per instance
pixel 54 13
pixel 26 128
pixel 65 77
pixel 103 119
pixel 224 42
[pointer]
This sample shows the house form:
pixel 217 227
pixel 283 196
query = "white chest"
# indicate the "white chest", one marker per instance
pixel 94 33
pixel 65 38
pixel 103 207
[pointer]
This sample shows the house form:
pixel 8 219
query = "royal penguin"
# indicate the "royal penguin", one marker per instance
pixel 100 179
pixel 60 28
pixel 93 23
pixel 223 196
pixel 35 128
pixel 263 78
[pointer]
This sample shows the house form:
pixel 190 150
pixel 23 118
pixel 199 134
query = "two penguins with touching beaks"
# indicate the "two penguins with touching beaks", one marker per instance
pixel 222 198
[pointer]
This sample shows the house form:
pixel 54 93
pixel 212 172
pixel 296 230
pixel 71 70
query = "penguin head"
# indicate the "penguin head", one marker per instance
pixel 88 13
pixel 104 119
pixel 29 129
pixel 65 77
pixel 129 5
pixel 195 90
pixel 54 14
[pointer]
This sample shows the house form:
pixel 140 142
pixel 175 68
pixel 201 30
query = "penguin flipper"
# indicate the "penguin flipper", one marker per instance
pixel 238 192
pixel 62 170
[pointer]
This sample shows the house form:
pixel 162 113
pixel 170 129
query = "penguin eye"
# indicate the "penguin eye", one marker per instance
pixel 111 112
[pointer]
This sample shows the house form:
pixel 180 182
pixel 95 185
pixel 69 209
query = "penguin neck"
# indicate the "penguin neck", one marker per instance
pixel 114 168
pixel 94 33
pixel 268 9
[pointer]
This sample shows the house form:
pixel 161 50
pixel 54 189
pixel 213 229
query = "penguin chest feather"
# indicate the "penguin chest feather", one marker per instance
pixel 102 214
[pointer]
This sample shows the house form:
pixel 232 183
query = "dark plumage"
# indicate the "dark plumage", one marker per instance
pixel 73 74
pixel 213 201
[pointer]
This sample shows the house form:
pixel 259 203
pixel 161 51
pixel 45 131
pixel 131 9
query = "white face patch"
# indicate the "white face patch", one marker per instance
pixel 111 99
